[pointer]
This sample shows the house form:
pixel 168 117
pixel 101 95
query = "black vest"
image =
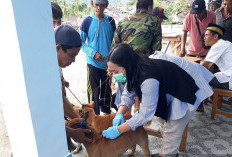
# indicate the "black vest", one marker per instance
pixel 173 80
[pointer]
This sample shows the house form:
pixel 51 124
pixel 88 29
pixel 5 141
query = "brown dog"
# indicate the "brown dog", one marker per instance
pixel 98 122
pixel 102 147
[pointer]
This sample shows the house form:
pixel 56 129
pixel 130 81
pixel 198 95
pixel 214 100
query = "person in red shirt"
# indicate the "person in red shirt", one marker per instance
pixel 200 15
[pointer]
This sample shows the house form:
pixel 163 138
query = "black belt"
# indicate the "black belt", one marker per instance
pixel 195 56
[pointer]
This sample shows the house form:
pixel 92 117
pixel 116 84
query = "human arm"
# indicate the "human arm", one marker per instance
pixel 148 105
pixel 128 98
pixel 183 42
pixel 87 49
pixel 206 64
pixel 98 56
pixel 67 106
pixel 78 135
pixel 68 109
pixel 117 36
pixel 119 117
pixel 66 83
pixel 214 54
pixel 84 29
pixel 214 18
pixel 186 29
pixel 157 41
pixel 123 109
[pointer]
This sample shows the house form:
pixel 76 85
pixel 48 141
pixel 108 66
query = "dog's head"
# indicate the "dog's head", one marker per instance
pixel 88 112
pixel 81 109
pixel 78 110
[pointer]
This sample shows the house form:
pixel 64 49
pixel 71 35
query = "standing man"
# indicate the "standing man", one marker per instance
pixel 142 31
pixel 220 54
pixel 57 14
pixel 224 19
pixel 97 31
pixel 198 16
pixel 215 4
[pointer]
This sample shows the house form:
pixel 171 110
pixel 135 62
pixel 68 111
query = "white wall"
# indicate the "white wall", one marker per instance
pixel 30 89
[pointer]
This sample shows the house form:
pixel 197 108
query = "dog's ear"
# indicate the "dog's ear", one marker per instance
pixel 92 104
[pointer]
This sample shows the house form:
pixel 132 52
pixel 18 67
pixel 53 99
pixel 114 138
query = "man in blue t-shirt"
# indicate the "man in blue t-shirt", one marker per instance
pixel 97 31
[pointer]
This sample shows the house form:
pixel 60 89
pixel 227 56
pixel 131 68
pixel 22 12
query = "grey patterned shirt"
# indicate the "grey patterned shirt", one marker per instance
pixel 226 23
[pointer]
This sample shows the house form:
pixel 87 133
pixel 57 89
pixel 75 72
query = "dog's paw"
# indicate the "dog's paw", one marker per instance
pixel 79 148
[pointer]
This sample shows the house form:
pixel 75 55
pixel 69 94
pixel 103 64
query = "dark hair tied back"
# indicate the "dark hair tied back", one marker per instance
pixel 124 56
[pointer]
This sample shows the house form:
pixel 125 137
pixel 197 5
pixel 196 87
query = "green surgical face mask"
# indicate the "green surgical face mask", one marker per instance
pixel 120 78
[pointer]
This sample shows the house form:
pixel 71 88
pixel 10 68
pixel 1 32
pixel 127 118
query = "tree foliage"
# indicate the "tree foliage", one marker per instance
pixel 131 3
pixel 77 8
pixel 172 7
pixel 73 8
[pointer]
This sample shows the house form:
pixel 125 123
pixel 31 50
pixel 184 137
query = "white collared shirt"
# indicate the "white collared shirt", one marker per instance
pixel 150 92
pixel 221 54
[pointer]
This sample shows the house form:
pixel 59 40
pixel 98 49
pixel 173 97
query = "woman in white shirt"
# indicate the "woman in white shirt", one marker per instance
pixel 170 88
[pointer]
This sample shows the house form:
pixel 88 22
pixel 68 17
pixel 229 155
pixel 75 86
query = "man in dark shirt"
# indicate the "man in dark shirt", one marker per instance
pixel 224 19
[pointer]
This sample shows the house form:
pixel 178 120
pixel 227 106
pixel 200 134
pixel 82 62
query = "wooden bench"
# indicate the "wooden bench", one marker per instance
pixel 157 133
pixel 175 40
pixel 218 100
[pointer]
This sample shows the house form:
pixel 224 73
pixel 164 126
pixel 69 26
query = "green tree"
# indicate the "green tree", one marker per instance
pixel 73 8
pixel 131 3
pixel 80 7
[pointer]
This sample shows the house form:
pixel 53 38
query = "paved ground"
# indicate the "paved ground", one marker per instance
pixel 206 137
pixel 4 140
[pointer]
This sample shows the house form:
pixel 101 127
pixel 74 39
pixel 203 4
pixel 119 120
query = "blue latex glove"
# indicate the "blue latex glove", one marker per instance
pixel 118 119
pixel 111 133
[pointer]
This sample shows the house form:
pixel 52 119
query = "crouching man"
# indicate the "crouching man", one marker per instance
pixel 68 44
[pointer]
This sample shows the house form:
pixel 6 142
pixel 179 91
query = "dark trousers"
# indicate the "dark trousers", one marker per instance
pixel 98 89
pixel 194 56
pixel 216 84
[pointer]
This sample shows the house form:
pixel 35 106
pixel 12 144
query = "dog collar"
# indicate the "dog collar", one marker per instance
pixel 83 123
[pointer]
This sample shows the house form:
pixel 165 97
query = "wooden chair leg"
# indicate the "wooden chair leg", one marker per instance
pixel 214 105
pixel 184 139
pixel 219 106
